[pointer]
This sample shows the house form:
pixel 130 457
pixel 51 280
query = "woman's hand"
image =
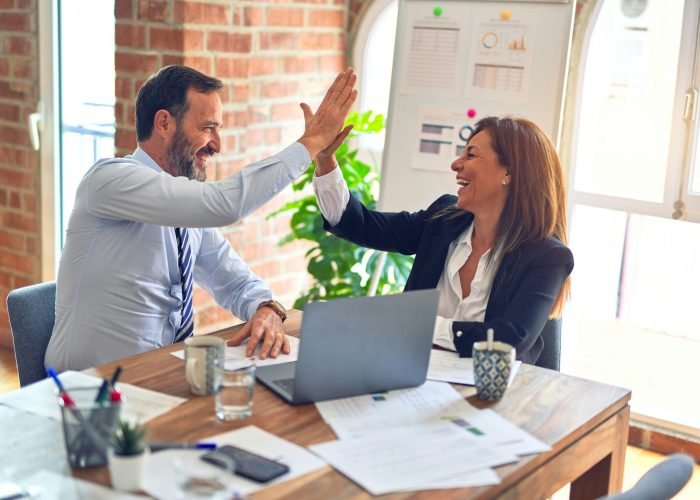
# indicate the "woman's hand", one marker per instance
pixel 325 160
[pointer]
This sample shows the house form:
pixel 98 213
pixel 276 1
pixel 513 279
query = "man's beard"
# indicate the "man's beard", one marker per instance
pixel 181 160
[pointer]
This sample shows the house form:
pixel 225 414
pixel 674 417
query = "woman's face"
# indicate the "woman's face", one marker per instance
pixel 480 176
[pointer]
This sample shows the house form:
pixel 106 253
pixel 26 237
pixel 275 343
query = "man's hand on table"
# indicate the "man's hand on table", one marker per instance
pixel 264 328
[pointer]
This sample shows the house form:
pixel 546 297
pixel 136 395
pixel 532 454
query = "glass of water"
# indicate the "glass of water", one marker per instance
pixel 234 398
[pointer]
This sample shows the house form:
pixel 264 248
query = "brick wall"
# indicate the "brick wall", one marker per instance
pixel 19 164
pixel 270 54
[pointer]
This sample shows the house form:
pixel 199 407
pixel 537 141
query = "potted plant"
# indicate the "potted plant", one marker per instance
pixel 128 456
pixel 340 268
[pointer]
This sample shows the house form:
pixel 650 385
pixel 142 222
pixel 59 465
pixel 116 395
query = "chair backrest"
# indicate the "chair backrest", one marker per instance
pixel 32 312
pixel 551 354
pixel 662 481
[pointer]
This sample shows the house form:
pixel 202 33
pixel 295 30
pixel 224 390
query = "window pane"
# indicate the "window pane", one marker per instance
pixel 627 99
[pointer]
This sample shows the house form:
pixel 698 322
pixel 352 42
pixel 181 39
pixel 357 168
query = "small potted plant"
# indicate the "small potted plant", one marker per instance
pixel 128 456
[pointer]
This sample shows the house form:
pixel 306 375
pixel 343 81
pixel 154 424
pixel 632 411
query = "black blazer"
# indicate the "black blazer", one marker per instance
pixel 524 288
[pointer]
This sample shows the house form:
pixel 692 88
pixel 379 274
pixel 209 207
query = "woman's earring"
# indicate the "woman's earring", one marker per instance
pixel 504 182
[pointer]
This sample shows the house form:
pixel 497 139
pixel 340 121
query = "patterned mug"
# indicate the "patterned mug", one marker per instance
pixel 492 369
pixel 202 356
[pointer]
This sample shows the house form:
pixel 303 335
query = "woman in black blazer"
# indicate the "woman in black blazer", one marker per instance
pixel 496 251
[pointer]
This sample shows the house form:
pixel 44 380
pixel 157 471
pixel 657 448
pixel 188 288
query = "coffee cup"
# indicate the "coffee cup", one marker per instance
pixel 492 367
pixel 202 356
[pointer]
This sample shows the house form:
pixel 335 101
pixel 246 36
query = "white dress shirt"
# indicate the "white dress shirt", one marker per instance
pixel 119 290
pixel 333 195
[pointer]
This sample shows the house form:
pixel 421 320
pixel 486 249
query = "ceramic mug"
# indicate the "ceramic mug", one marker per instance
pixel 202 356
pixel 492 369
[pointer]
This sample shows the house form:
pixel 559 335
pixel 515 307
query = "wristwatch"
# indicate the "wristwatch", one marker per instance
pixel 275 306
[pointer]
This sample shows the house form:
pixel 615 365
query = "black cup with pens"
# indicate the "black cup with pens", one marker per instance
pixel 90 416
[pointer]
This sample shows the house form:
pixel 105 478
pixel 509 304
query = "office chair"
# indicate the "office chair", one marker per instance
pixel 551 354
pixel 662 481
pixel 32 312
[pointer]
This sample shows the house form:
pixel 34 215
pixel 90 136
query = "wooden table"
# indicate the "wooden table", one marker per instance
pixel 585 423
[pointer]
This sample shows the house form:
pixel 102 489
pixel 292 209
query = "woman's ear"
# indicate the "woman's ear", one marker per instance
pixel 506 179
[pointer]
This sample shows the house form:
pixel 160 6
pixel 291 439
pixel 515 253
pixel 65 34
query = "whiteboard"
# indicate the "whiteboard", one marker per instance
pixel 456 61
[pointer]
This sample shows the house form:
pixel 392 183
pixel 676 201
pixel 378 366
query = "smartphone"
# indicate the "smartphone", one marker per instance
pixel 247 464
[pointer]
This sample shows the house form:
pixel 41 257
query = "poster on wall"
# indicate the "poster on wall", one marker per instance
pixel 433 50
pixel 501 55
pixel 442 133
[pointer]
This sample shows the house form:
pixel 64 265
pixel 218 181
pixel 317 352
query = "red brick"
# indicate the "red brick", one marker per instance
pixel 9 112
pixel 18 263
pixel 331 63
pixel 32 246
pixel 122 88
pixel 254 16
pixel 227 168
pixel 15 134
pixel 240 92
pixel 267 270
pixel 14 200
pixel 286 112
pixel 153 10
pixel 23 69
pixel 262 66
pixel 125 139
pixel 123 9
pixel 235 119
pixel 341 42
pixel 7 4
pixel 165 39
pixel 279 89
pixel 273 41
pixel 167 60
pixel 229 42
pixel 299 64
pixel 12 241
pixel 203 64
pixel 14 90
pixel 130 35
pixel 16 21
pixel 326 18
pixel 30 204
pixel 259 114
pixel 230 144
pixel 317 41
pixel 227 67
pixel 4 69
pixel 213 315
pixel 136 63
pixel 202 13
pixel 18 221
pixel 285 17
pixel 253 137
pixel 5 280
pixel 19 46
pixel 273 136
pixel 3 197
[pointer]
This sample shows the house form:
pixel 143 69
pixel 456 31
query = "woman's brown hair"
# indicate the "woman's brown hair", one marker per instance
pixel 536 205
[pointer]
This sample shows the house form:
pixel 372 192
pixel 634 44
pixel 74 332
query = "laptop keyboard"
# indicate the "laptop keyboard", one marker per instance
pixel 286 384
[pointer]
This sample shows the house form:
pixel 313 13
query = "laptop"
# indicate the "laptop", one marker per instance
pixel 358 346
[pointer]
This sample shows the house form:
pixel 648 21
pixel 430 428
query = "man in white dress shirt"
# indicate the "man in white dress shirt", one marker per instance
pixel 119 287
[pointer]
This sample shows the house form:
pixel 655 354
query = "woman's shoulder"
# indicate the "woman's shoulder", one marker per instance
pixel 552 249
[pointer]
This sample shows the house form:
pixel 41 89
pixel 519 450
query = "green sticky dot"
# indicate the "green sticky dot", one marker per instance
pixel 437 11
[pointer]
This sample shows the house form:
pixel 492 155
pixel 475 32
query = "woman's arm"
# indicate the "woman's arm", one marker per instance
pixel 518 311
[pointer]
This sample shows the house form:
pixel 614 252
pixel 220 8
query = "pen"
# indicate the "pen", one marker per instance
pixel 102 392
pixel 182 446
pixel 115 376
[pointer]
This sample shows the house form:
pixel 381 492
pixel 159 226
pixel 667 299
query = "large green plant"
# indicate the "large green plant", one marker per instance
pixel 339 268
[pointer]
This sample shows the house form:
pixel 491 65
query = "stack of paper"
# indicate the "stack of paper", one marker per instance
pixel 426 437
pixel 234 356
pixel 447 366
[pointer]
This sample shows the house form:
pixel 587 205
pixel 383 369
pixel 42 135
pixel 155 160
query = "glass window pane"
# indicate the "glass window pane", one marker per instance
pixel 627 99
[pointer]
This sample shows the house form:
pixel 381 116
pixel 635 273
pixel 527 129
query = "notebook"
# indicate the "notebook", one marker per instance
pixel 358 346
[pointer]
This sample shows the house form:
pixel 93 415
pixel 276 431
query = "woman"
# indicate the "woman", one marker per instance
pixel 496 251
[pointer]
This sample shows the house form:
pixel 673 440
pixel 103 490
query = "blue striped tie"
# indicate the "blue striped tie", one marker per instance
pixel 184 260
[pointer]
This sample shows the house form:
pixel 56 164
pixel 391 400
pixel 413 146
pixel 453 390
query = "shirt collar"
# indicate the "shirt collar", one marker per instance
pixel 143 157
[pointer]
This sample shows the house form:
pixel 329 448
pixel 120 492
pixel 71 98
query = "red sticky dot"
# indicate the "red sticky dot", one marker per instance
pixel 471 113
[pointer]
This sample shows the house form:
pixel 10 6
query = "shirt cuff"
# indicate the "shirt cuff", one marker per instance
pixel 332 194
pixel 442 334
pixel 296 157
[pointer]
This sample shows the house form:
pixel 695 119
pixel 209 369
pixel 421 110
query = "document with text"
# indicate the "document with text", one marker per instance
pixel 234 356
pixel 447 366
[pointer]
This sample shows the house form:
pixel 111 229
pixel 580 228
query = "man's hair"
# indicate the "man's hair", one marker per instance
pixel 167 90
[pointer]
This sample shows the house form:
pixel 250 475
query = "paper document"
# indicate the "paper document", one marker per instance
pixel 234 356
pixel 430 402
pixel 161 481
pixel 438 455
pixel 137 403
pixel 46 485
pixel 447 366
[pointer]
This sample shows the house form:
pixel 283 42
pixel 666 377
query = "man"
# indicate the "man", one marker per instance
pixel 142 228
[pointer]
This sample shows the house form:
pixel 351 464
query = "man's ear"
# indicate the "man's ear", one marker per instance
pixel 163 123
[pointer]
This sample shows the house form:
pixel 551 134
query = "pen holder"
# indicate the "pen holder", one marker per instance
pixel 88 426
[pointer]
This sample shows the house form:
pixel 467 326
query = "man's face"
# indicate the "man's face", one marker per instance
pixel 196 137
